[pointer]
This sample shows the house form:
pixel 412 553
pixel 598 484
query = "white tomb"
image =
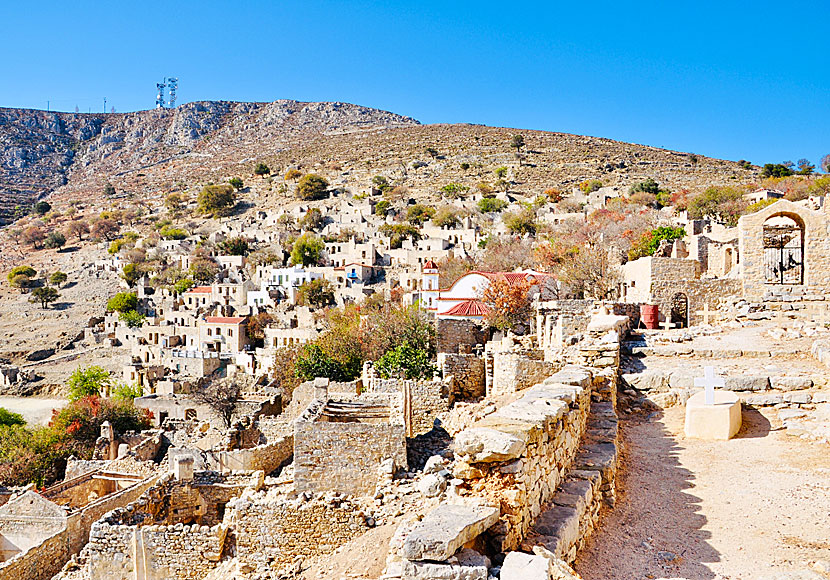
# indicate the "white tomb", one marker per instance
pixel 712 414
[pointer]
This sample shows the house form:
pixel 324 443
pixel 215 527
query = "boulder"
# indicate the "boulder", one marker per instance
pixel 485 445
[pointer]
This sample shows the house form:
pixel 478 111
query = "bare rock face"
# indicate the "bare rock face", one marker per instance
pixel 41 151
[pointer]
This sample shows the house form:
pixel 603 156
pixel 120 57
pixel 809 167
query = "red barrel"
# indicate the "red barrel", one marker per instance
pixel 649 316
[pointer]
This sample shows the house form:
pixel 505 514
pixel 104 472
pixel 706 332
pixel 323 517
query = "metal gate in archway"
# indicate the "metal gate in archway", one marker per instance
pixel 784 254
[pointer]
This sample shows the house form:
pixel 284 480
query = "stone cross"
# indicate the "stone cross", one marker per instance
pixel 667 324
pixel 709 382
pixel 705 313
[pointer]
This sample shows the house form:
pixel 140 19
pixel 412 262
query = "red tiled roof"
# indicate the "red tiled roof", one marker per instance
pixel 200 290
pixel 468 308
pixel 430 265
pixel 224 319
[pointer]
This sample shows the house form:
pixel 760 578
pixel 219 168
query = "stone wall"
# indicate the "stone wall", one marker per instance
pixel 467 371
pixel 422 401
pixel 816 248
pixel 535 440
pixel 518 369
pixel 454 333
pixel 699 292
pixel 271 533
pixel 267 457
pixel 46 559
pixel 182 552
pixel 345 456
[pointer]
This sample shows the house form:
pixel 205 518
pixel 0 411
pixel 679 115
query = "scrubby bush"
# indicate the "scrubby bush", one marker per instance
pixel 491 204
pixel 307 250
pixel 57 278
pixel 123 302
pixel 262 170
pixel 312 187
pixel 20 276
pixel 590 186
pixel 650 241
pixel 236 246
pixel 381 207
pixel 54 241
pixel 236 183
pixel 216 200
pixel 417 214
pixel 171 233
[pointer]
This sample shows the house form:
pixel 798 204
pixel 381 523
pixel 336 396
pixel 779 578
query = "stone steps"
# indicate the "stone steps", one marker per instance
pixel 571 517
pixel 639 348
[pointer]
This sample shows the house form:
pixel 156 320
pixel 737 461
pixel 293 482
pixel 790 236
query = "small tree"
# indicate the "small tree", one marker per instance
pixel 590 185
pixel 77 228
pixel 405 361
pixel 776 170
pixel 85 382
pixel 398 233
pixel 316 293
pixel 446 217
pixel 307 250
pixel 825 163
pixel 518 141
pixel 724 204
pixel 33 236
pixel 491 204
pixel 650 241
pixel 216 200
pixel 109 190
pixel 432 152
pixel 131 274
pixel 44 295
pixel 54 240
pixel 236 183
pixel 41 208
pixel 312 187
pixel 105 229
pixel 314 362
pixel 805 167
pixel 382 207
pixel 174 203
pixel 501 172
pixel 508 302
pixel 522 222
pixel 236 246
pixel 262 170
pixel 123 302
pixel 312 220
pixel 223 399
pixel 417 214
pixel 20 276
pixel 58 278
pixel 131 319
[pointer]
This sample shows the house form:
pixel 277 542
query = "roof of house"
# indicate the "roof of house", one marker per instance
pixel 430 265
pixel 512 278
pixel 468 308
pixel 200 290
pixel 224 319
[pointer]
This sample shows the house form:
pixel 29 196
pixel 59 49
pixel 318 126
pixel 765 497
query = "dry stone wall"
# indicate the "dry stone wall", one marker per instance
pixel 271 533
pixel 467 371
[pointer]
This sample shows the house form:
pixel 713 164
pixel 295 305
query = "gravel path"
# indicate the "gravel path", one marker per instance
pixel 756 507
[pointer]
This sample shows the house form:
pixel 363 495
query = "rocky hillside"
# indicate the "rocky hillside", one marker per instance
pixel 150 153
pixel 41 151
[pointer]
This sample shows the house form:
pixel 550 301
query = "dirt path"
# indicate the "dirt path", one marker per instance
pixel 36 411
pixel 755 507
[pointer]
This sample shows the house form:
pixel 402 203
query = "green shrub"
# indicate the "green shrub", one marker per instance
pixel 307 250
pixel 417 214
pixel 131 319
pixel 236 183
pixel 216 200
pixel 312 187
pixel 491 204
pixel 650 241
pixel 54 240
pixel 405 361
pixel 171 233
pixel 381 207
pixel 123 302
pixel 8 418
pixel 86 382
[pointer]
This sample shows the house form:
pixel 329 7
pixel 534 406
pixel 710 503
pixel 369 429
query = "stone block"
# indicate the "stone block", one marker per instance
pixel 720 421
pixel 747 383
pixel 521 566
pixel 485 445
pixel 445 529
pixel 465 565
pixel 791 383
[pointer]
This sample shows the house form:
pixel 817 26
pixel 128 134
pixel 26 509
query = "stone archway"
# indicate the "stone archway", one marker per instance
pixel 680 310
pixel 783 250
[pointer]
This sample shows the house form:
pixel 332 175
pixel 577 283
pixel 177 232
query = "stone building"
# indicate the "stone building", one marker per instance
pixel 784 246
pixel 341 442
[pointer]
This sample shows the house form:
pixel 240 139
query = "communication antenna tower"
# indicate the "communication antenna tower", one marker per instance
pixel 172 84
pixel 105 105
pixel 160 96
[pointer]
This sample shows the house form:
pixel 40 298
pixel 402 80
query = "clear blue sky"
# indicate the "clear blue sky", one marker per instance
pixel 727 79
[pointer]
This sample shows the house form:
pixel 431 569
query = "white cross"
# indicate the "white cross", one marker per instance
pixel 709 382
pixel 705 313
pixel 667 324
